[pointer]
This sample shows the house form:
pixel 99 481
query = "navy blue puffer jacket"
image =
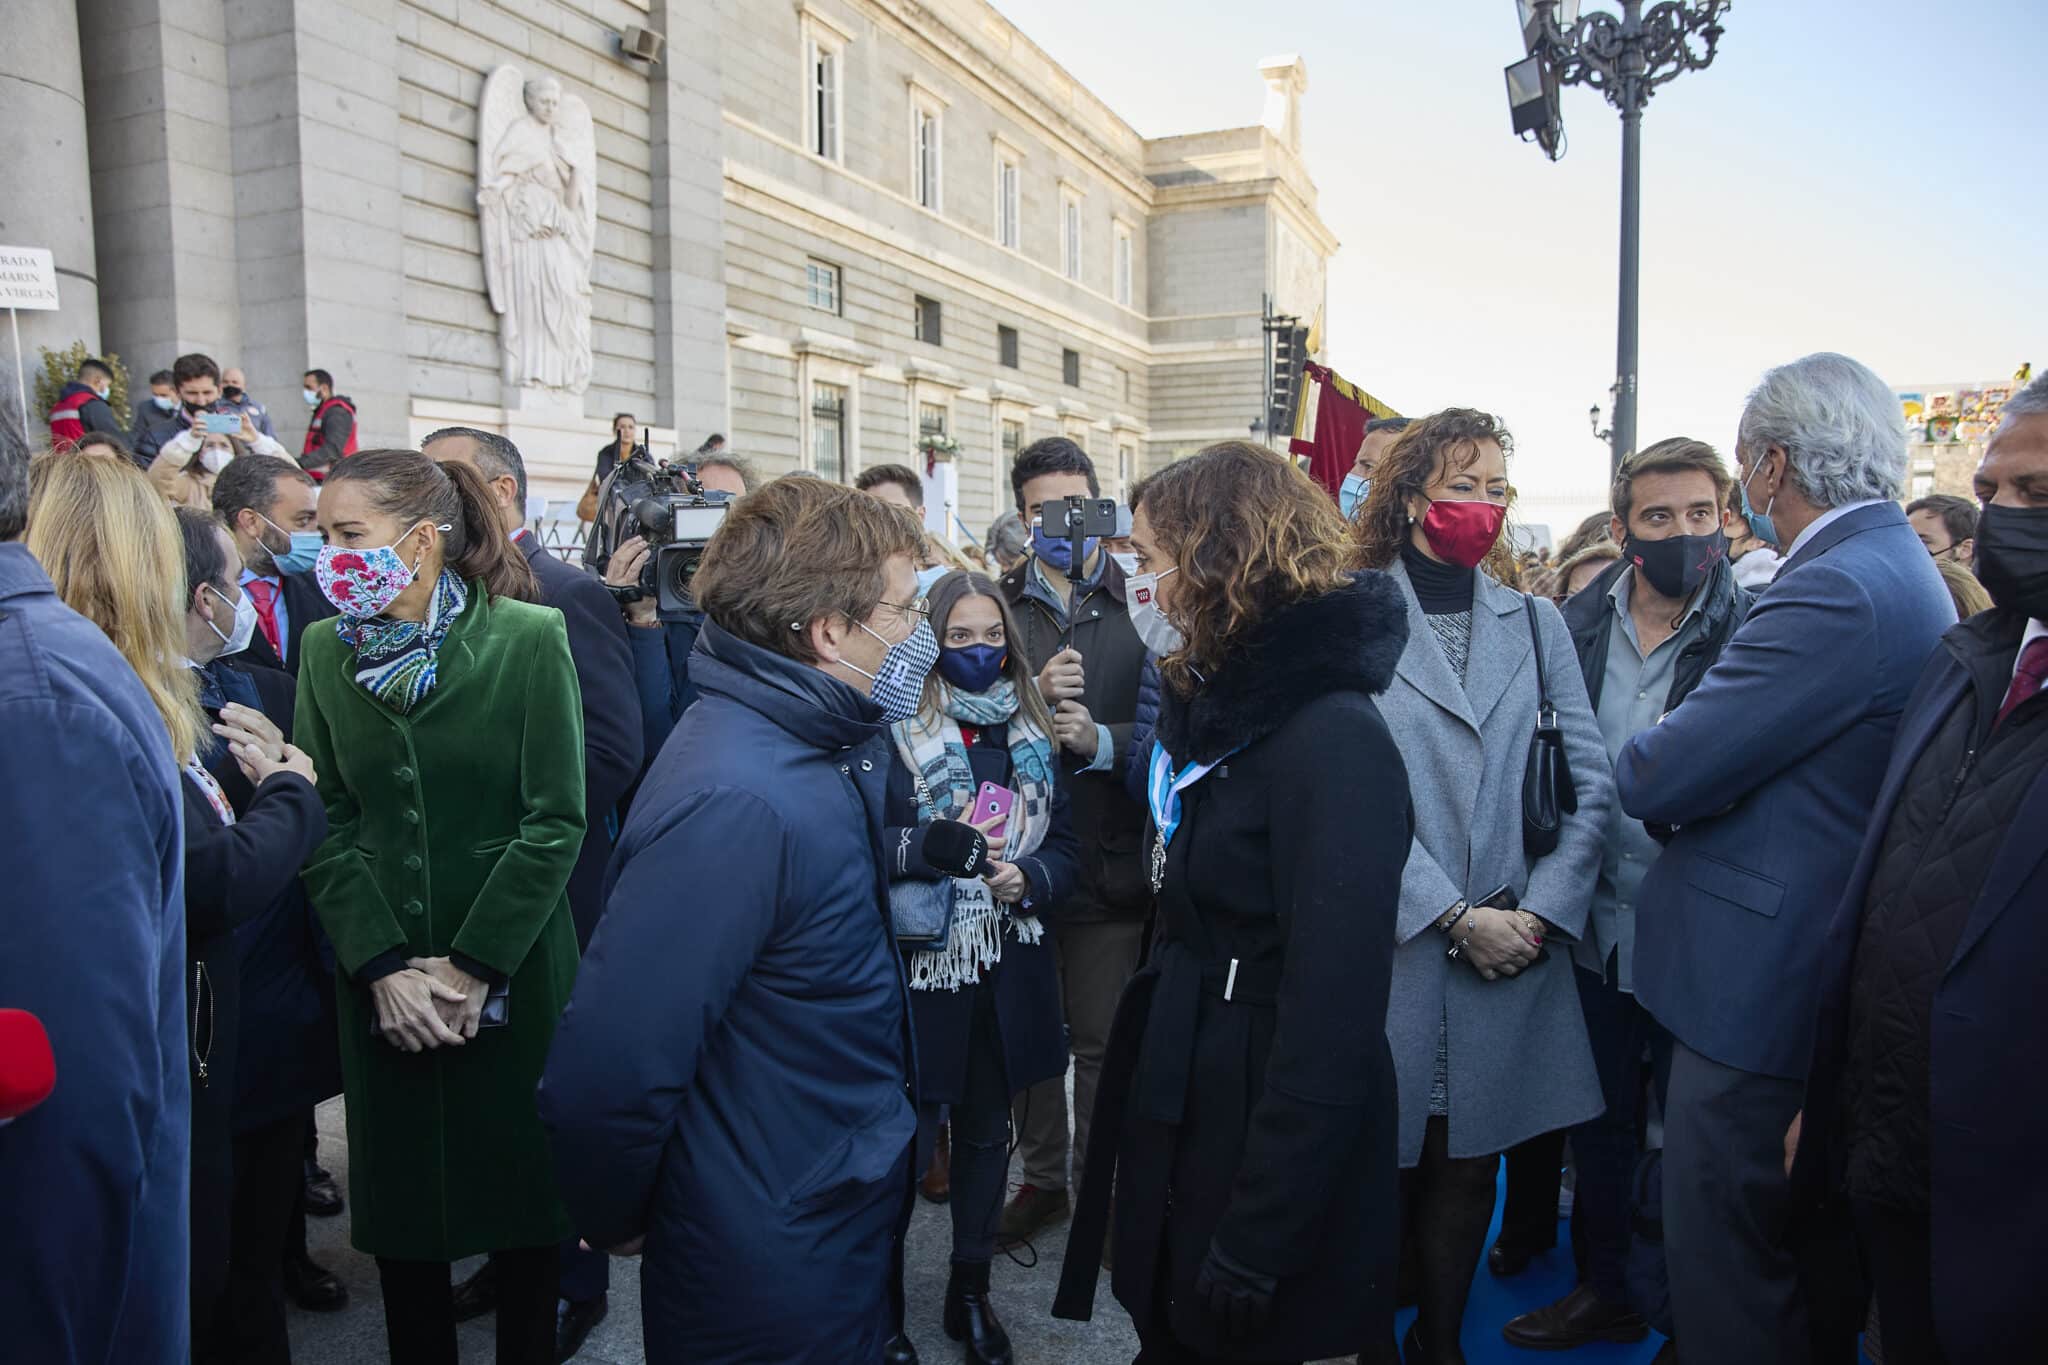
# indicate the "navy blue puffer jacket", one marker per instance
pixel 732 1077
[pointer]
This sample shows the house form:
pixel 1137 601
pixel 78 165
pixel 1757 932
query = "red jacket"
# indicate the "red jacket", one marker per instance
pixel 67 421
pixel 317 437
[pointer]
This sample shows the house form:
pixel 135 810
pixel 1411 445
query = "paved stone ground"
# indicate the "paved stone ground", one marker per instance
pixel 1024 1297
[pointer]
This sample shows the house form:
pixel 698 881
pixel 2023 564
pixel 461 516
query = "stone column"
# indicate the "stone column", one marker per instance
pixel 48 190
pixel 156 93
pixel 689 220
pixel 316 188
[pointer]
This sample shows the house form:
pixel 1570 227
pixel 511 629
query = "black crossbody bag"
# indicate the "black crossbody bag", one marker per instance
pixel 1547 791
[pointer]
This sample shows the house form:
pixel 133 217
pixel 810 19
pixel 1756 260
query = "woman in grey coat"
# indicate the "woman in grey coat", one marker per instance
pixel 1489 1045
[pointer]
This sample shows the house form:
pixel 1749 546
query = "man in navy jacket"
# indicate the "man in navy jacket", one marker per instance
pixel 1769 771
pixel 95 1245
pixel 611 761
pixel 731 1084
pixel 1925 1104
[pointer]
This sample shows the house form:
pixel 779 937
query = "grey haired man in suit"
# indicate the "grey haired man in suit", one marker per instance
pixel 1768 772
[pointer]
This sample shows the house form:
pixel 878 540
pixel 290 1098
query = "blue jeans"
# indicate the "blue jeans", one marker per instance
pixel 1607 1148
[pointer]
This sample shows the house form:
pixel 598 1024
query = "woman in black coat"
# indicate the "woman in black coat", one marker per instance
pixel 626 439
pixel 985 1002
pixel 1247 1107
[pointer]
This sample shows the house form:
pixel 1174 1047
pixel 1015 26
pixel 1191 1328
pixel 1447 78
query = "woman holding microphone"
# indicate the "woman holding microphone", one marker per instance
pixel 984 1000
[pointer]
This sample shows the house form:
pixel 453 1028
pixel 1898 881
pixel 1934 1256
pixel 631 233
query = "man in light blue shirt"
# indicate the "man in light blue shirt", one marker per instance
pixel 1646 632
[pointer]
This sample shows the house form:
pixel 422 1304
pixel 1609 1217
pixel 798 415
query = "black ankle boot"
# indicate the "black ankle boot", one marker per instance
pixel 971 1318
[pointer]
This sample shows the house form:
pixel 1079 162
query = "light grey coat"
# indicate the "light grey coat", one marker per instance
pixel 1519 1062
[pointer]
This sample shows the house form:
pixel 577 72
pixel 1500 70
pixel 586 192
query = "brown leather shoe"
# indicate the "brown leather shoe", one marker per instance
pixel 1030 1212
pixel 1577 1319
pixel 937 1184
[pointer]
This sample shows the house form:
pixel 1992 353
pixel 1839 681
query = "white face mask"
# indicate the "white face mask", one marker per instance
pixel 1128 563
pixel 237 639
pixel 1159 635
pixel 216 458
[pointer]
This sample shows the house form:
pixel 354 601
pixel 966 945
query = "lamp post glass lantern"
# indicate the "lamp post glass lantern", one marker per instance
pixel 1625 57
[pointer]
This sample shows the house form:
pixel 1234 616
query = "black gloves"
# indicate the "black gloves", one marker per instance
pixel 1236 1296
pixel 955 848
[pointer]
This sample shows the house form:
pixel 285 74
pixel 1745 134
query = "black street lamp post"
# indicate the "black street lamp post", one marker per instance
pixel 1625 57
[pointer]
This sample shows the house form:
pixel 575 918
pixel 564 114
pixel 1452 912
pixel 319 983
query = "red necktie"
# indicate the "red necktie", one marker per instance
pixel 2027 679
pixel 265 596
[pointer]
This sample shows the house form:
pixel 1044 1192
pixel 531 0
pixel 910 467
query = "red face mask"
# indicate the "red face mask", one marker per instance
pixel 1462 533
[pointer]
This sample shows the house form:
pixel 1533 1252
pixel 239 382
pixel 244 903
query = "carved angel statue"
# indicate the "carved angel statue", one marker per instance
pixel 537 192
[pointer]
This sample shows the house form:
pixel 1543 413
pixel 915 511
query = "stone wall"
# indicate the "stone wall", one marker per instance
pixel 445 50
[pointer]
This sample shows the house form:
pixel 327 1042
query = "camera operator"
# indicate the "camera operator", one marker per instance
pixel 1088 660
pixel 661 649
pixel 732 1083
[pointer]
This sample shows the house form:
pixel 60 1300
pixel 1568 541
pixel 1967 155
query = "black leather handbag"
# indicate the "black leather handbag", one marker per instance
pixel 1547 791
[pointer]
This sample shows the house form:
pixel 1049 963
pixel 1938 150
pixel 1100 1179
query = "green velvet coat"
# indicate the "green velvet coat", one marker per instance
pixel 452 829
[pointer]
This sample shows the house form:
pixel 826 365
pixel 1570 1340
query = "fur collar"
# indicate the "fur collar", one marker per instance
pixel 1345 641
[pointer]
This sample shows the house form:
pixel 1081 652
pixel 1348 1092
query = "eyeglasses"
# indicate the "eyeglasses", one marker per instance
pixel 919 608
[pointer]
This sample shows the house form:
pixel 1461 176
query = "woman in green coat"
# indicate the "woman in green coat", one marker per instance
pixel 442 713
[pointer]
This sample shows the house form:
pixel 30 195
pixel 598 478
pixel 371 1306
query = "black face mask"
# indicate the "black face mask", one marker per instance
pixel 2012 557
pixel 1676 565
pixel 233 395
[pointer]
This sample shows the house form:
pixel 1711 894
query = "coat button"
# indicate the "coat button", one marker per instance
pixel 415 908
pixel 404 774
pixel 411 817
pixel 867 765
pixel 413 862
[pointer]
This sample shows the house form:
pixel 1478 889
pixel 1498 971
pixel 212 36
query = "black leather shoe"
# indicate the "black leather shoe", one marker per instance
pixel 311 1285
pixel 899 1351
pixel 477 1295
pixel 1507 1260
pixel 971 1318
pixel 574 1322
pixel 1578 1319
pixel 323 1194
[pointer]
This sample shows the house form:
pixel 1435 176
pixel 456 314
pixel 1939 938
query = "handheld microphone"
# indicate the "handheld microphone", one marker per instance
pixel 28 1071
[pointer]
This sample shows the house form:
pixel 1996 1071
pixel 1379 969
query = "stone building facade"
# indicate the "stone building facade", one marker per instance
pixel 824 227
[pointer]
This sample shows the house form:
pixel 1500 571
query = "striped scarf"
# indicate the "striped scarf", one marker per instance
pixel 932 747
pixel 397 661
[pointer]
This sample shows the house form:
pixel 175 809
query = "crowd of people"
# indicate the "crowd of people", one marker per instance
pixel 1338 849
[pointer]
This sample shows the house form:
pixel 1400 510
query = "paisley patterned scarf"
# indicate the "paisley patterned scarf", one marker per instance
pixel 396 661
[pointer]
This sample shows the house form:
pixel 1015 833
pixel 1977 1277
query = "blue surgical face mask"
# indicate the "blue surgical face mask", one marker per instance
pixel 312 397
pixel 305 550
pixel 973 668
pixel 1060 553
pixel 163 403
pixel 1352 493
pixel 1760 524
pixel 927 577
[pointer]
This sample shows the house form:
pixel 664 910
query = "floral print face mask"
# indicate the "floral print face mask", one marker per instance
pixel 364 583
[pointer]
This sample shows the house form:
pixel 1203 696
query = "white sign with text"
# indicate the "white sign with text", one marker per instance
pixel 28 278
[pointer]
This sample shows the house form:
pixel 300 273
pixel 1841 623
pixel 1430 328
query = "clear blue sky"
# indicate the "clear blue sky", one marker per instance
pixel 1861 177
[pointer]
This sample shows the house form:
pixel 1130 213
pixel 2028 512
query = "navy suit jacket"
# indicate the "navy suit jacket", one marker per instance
pixel 304 604
pixel 1769 771
pixel 1989 1114
pixel 611 716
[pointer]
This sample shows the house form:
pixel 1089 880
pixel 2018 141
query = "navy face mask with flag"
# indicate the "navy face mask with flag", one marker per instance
pixel 1676 565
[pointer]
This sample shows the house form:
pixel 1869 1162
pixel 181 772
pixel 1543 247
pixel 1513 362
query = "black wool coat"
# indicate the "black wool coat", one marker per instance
pixel 1248 1095
pixel 612 732
pixel 1030 1020
pixel 235 876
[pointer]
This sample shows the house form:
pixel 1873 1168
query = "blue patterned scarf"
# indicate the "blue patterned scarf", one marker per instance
pixel 397 661
pixel 933 748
